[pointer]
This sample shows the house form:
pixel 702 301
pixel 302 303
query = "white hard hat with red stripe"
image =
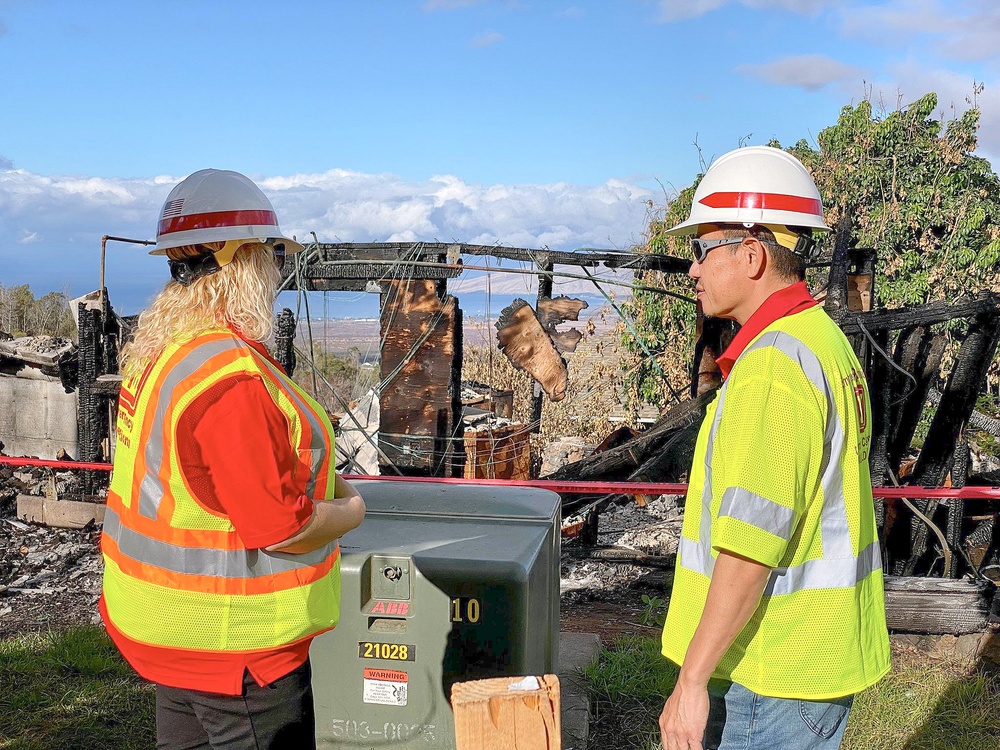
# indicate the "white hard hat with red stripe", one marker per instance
pixel 217 205
pixel 755 185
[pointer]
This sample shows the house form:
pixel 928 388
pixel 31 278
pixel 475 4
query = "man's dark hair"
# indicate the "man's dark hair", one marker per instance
pixel 786 263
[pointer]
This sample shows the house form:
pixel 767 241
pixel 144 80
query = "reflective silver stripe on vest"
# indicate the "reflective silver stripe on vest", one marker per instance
pixel 317 441
pixel 698 555
pixel 151 489
pixel 695 556
pixel 838 568
pixel 249 563
pixel 751 508
pixel 835 532
pixel 825 573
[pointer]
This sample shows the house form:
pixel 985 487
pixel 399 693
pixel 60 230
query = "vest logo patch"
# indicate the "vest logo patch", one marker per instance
pixel 860 403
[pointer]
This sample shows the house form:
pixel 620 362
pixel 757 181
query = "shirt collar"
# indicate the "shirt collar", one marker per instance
pixel 787 301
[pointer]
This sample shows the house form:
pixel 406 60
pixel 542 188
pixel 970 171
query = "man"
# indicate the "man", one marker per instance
pixel 777 615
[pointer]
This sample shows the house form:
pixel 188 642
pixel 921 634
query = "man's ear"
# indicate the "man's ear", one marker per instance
pixel 756 256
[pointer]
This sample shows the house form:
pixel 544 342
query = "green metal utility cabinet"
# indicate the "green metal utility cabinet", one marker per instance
pixel 441 583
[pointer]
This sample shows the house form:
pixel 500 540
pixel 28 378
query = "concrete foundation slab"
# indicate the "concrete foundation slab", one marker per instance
pixel 37 418
pixel 63 514
pixel 576 652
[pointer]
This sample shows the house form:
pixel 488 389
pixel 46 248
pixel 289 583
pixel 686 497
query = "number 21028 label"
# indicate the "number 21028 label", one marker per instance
pixel 388 651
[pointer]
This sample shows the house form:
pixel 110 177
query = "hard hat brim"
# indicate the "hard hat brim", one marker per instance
pixel 749 216
pixel 262 234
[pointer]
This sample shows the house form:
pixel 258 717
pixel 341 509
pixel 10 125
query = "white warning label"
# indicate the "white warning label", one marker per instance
pixel 385 686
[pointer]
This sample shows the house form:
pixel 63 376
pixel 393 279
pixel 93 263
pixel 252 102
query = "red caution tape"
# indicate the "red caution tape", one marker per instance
pixel 661 488
pixel 19 461
pixel 578 488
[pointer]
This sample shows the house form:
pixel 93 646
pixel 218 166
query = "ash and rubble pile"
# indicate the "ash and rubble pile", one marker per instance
pixel 650 529
pixel 49 578
pixel 39 358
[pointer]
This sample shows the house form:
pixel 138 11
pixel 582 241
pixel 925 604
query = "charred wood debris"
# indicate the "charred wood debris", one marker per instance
pixel 941 557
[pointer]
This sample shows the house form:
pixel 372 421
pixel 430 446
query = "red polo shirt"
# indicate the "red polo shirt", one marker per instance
pixel 237 459
pixel 787 301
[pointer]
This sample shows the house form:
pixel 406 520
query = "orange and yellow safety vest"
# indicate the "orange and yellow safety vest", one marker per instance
pixel 177 575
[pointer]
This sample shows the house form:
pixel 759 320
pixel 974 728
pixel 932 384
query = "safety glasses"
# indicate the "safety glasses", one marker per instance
pixel 700 247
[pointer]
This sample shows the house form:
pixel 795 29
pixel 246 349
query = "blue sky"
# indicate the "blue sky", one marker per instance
pixel 544 123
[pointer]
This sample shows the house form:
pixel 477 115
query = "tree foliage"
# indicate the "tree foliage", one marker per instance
pixel 23 315
pixel 348 377
pixel 916 193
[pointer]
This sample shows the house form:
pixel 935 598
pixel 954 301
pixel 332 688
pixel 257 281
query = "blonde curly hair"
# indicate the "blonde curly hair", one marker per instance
pixel 239 295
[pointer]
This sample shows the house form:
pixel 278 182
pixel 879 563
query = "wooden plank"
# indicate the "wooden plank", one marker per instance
pixel 498 453
pixel 919 352
pixel 651 262
pixel 63 514
pixel 837 287
pixel 360 269
pixel 937 605
pixel 619 462
pixel 958 399
pixel 566 342
pixel 421 344
pixel 904 317
pixel 449 252
pixel 528 347
pixel 551 311
pixel 489 715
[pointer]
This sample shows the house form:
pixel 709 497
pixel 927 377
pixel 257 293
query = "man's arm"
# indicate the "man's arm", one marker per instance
pixel 330 520
pixel 733 595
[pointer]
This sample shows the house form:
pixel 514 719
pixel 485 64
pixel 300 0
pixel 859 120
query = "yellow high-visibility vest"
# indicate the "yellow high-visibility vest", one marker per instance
pixel 780 476
pixel 178 576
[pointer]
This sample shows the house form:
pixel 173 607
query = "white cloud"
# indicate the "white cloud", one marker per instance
pixel 486 40
pixel 352 206
pixel 965 30
pixel 64 218
pixel 6 163
pixel 810 72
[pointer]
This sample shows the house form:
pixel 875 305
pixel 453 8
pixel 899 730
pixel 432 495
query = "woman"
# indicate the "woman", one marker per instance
pixel 220 539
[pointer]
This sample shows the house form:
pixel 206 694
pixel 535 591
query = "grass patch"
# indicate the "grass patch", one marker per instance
pixel 925 704
pixel 72 689
pixel 922 704
pixel 628 684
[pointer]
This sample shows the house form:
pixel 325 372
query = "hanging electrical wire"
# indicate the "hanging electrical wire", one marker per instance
pixel 402 272
pixel 638 339
pixel 498 269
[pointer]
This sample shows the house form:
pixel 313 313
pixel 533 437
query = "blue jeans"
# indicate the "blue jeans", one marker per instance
pixel 739 719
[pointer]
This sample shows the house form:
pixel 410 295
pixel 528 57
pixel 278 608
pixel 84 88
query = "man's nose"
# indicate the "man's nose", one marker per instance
pixel 695 270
